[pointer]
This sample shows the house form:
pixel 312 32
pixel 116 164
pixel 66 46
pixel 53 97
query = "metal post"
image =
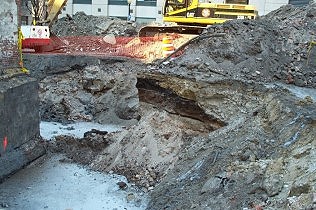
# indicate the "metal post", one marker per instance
pixel 129 12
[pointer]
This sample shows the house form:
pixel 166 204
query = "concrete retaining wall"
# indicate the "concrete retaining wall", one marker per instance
pixel 19 101
pixel 19 123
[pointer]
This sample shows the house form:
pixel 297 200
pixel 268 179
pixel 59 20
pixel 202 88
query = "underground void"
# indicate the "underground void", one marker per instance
pixel 151 92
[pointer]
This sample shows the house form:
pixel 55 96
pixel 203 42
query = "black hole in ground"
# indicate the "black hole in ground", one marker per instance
pixel 151 92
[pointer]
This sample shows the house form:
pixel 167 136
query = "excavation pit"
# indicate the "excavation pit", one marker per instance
pixel 150 91
pixel 177 133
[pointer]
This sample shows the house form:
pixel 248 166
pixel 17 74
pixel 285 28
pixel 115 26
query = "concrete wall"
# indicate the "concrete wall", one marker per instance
pixel 19 103
pixel 118 10
pixel 100 5
pixel 137 12
pixel 68 9
pixel 19 123
pixel 152 12
pixel 86 8
pixel 266 6
pixel 100 9
pixel 8 34
pixel 146 12
pixel 19 111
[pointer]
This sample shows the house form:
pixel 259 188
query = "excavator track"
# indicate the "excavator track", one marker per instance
pixel 151 31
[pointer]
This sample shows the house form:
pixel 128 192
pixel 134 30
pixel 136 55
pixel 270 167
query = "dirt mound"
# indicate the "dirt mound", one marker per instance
pixel 276 47
pixel 81 24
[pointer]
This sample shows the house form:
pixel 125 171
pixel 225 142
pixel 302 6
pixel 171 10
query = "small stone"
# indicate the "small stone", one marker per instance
pixel 122 185
pixel 211 185
pixel 193 206
pixel 150 179
pixel 193 65
pixel 298 189
pixel 4 205
pixel 290 79
pixel 110 39
pixel 130 197
pixel 273 185
pixel 245 70
pixel 299 81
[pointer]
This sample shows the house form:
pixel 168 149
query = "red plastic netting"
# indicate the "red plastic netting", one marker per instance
pixel 134 47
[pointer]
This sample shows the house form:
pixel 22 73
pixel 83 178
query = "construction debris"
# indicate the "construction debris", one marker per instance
pixel 84 25
pixel 273 48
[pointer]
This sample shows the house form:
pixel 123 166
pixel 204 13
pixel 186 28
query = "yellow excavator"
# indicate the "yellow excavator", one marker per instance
pixel 193 16
pixel 44 13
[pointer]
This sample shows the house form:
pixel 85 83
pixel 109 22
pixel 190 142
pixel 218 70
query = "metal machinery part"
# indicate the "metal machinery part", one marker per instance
pixel 38 35
pixel 192 16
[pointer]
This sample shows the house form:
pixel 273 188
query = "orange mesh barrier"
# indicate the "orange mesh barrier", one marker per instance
pixel 134 47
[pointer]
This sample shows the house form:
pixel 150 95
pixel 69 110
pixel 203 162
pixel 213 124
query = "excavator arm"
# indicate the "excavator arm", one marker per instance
pixel 192 16
pixel 54 8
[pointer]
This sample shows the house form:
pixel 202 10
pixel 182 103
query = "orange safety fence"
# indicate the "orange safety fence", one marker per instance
pixel 133 47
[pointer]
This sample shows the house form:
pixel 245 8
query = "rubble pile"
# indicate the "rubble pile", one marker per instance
pixel 90 94
pixel 81 24
pixel 277 47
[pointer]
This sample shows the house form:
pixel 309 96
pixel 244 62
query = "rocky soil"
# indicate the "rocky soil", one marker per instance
pixel 274 48
pixel 215 128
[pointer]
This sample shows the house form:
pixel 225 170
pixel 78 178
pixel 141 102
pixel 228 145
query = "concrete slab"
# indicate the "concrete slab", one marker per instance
pixel 19 123
pixel 19 115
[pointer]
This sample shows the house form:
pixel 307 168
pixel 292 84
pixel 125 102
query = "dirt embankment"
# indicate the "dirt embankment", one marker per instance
pixel 208 130
pixel 81 24
pixel 277 47
pixel 255 160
